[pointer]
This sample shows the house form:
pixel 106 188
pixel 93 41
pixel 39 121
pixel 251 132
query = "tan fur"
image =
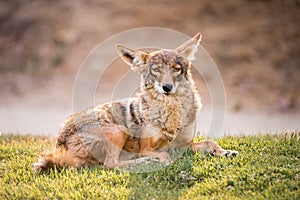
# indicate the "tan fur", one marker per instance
pixel 121 133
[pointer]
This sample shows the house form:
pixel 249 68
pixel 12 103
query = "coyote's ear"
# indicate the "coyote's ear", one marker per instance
pixel 190 47
pixel 136 59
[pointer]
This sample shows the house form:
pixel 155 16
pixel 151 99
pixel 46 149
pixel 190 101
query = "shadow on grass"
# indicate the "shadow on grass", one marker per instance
pixel 166 182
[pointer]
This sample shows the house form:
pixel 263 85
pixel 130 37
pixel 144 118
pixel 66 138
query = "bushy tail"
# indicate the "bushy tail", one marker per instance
pixel 49 161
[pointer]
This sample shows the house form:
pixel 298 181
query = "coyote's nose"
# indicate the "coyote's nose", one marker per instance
pixel 167 87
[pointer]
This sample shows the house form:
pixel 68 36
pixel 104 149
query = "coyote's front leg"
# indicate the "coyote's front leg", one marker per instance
pixel 150 148
pixel 163 156
pixel 211 147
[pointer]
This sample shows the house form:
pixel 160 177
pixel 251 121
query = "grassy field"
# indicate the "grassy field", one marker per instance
pixel 268 167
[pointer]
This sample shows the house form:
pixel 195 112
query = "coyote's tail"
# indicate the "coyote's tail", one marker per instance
pixel 49 161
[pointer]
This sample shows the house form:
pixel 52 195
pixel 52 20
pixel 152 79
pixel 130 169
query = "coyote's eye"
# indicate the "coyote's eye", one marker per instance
pixel 176 69
pixel 155 69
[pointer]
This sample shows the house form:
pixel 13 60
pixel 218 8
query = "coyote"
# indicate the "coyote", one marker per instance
pixel 121 133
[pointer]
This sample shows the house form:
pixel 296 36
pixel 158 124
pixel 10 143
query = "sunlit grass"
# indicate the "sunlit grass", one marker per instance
pixel 268 167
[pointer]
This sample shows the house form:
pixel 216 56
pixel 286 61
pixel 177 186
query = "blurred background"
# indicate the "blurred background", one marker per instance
pixel 255 44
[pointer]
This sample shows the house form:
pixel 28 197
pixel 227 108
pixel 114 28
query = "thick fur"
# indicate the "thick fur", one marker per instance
pixel 121 133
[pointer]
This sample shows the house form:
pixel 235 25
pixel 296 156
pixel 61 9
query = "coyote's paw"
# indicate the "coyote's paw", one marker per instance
pixel 164 157
pixel 227 153
pixel 231 153
pixel 212 148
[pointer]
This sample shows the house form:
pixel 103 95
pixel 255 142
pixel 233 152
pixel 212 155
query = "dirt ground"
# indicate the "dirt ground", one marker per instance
pixel 255 44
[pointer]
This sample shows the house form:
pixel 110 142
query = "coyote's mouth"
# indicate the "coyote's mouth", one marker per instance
pixel 167 93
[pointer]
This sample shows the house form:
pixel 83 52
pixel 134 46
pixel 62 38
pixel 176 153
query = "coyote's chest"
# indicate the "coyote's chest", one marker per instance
pixel 164 114
pixel 166 117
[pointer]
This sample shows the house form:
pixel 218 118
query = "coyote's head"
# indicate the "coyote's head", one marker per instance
pixel 162 69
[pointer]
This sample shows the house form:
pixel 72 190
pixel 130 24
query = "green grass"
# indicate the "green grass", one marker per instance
pixel 268 167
